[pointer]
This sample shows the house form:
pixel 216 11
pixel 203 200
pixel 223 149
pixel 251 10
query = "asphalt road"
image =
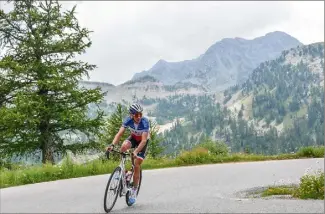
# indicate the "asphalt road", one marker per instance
pixel 203 189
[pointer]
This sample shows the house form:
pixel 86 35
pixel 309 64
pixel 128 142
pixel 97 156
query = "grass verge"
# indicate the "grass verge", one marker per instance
pixel 21 175
pixel 311 186
pixel 279 190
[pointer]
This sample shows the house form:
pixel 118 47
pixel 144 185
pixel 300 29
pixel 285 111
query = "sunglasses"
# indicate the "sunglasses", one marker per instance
pixel 137 114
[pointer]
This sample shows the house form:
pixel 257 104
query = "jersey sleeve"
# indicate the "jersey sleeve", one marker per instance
pixel 126 122
pixel 146 125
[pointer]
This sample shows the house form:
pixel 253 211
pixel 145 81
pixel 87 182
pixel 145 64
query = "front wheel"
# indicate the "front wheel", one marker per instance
pixel 114 178
pixel 127 196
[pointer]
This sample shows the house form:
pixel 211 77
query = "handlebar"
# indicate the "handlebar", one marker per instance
pixel 116 151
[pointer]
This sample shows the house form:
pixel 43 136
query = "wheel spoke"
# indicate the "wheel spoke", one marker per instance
pixel 113 184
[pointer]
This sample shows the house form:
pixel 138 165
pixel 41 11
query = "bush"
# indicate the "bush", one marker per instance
pixel 311 151
pixel 214 147
pixel 311 186
pixel 197 155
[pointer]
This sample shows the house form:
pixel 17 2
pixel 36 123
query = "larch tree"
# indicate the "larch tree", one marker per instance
pixel 42 106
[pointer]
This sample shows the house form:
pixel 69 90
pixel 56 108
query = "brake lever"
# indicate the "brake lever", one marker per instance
pixel 107 154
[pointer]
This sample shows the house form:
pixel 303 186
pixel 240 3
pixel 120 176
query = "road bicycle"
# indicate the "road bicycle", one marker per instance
pixel 123 178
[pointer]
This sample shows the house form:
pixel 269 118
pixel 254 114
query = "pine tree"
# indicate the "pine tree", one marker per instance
pixel 42 106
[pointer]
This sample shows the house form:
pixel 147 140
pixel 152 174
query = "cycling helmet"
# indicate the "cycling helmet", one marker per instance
pixel 134 108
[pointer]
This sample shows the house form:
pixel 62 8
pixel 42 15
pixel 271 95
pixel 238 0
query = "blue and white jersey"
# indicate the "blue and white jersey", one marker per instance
pixel 137 129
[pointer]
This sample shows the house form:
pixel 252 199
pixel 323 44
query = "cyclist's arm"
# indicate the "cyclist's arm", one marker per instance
pixel 118 135
pixel 142 143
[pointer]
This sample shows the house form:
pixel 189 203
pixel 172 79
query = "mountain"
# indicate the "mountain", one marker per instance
pixel 279 89
pixel 224 64
pixel 279 108
pixel 146 87
pixel 93 84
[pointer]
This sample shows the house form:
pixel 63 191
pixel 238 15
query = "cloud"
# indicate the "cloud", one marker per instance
pixel 132 36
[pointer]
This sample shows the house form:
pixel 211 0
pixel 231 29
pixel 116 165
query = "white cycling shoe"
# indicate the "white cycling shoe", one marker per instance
pixel 133 195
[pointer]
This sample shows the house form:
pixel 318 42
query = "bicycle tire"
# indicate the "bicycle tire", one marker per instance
pixel 107 210
pixel 128 193
pixel 139 182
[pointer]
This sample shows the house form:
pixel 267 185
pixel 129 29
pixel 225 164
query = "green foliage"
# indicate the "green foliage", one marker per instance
pixel 281 190
pixel 42 107
pixel 202 117
pixel 281 93
pixel 196 156
pixel 216 122
pixel 311 186
pixel 147 101
pixel 176 106
pixel 311 152
pixel 49 172
pixel 155 147
pixel 214 147
pixel 231 90
pixel 113 124
pixel 14 175
pixel 111 127
pixel 283 88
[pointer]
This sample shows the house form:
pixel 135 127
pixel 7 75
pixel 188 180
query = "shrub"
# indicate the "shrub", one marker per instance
pixel 214 147
pixel 311 151
pixel 197 155
pixel 311 186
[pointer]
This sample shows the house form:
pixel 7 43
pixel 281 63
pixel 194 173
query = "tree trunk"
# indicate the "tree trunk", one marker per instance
pixel 47 155
pixel 45 139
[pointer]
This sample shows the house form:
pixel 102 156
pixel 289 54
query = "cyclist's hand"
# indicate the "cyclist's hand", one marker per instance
pixel 110 147
pixel 134 153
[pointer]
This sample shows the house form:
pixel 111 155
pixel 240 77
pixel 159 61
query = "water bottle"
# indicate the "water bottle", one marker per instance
pixel 128 176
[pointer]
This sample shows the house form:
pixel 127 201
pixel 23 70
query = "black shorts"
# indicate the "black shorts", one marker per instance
pixel 134 144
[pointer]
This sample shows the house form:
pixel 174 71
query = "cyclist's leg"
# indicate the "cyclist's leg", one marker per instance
pixel 126 145
pixel 142 154
pixel 137 164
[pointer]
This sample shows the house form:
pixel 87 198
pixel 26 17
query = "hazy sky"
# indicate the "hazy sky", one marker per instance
pixel 130 37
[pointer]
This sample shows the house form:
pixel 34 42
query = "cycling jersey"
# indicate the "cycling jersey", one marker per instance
pixel 137 129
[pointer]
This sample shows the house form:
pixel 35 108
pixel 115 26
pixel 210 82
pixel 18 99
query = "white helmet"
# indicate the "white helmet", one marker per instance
pixel 134 108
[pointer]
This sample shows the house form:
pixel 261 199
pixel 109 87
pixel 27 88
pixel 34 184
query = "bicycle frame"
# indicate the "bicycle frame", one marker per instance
pixel 122 176
pixel 123 188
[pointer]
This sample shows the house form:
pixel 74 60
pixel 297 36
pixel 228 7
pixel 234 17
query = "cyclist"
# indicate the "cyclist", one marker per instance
pixel 139 138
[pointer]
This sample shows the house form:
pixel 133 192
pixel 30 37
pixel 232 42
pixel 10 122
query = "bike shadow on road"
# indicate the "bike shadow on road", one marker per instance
pixel 136 208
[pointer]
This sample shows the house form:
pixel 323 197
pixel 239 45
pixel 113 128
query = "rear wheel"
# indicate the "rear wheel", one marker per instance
pixel 127 196
pixel 112 184
pixel 139 182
